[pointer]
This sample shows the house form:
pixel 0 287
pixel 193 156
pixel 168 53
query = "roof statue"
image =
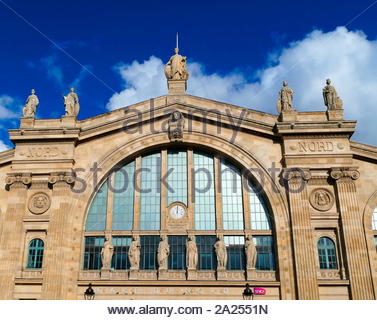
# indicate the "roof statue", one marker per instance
pixel 284 103
pixel 71 103
pixel 331 98
pixel 176 69
pixel 31 105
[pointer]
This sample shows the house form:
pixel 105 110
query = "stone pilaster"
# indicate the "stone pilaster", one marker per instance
pixel 353 234
pixel 60 254
pixel 304 253
pixel 12 231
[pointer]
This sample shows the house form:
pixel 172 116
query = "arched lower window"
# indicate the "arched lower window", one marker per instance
pixel 35 254
pixel 327 253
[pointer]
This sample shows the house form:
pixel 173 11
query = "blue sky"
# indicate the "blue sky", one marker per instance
pixel 238 52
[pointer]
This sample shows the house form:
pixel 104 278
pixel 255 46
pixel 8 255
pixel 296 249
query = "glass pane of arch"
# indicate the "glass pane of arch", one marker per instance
pixel 260 216
pixel 231 190
pixel 177 178
pixel 374 219
pixel 35 254
pixel 203 177
pixel 150 195
pixel 326 253
pixel 123 203
pixel 96 220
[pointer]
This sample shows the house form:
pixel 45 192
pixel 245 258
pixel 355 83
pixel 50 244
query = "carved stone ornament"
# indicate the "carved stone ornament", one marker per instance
pixel 321 199
pixel 341 173
pixel 296 174
pixel 39 203
pixel 176 125
pixel 18 180
pixel 61 177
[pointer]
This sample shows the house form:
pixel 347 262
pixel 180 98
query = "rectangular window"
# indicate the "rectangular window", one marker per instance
pixel 120 257
pixel 92 253
pixel 206 252
pixel 177 177
pixel 203 179
pixel 150 192
pixel 123 203
pixel 235 247
pixel 231 195
pixel 96 220
pixel 265 252
pixel 177 257
pixel 149 246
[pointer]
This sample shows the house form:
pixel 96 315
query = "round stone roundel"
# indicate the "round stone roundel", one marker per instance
pixel 39 203
pixel 321 199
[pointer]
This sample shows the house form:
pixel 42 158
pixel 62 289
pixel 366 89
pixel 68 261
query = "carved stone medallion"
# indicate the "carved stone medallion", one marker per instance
pixel 321 199
pixel 39 203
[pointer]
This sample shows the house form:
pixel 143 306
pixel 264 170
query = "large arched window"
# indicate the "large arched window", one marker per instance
pixel 327 253
pixel 198 191
pixel 35 254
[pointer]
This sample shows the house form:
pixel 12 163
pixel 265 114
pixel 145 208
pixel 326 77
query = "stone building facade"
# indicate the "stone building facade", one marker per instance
pixel 181 197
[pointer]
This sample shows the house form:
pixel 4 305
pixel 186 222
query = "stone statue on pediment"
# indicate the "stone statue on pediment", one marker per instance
pixel 176 69
pixel 251 253
pixel 191 253
pixel 134 253
pixel 106 254
pixel 284 103
pixel 163 252
pixel 331 98
pixel 221 254
pixel 31 105
pixel 71 103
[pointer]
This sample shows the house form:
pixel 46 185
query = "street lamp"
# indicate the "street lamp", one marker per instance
pixel 248 293
pixel 89 293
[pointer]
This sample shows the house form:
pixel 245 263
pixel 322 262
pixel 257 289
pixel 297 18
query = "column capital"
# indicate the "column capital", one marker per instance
pixel 17 180
pixel 296 174
pixel 61 178
pixel 340 173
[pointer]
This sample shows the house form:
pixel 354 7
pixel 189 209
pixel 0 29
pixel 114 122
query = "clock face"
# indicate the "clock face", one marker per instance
pixel 177 211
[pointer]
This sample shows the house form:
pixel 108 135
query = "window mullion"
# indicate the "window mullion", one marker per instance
pixel 217 185
pixel 190 189
pixel 246 204
pixel 110 198
pixel 163 201
pixel 137 186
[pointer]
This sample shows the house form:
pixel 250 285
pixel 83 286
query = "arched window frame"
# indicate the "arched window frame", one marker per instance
pixel 327 255
pixel 35 254
pixel 263 238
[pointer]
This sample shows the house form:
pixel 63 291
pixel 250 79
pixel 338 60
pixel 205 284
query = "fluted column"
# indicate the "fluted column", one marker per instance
pixel 353 235
pixel 12 232
pixel 59 262
pixel 302 231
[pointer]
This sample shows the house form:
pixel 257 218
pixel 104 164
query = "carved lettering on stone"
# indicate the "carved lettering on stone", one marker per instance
pixel 315 146
pixel 321 199
pixel 39 203
pixel 42 152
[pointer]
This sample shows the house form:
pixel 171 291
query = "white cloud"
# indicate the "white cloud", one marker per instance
pixel 6 102
pixel 347 57
pixel 3 146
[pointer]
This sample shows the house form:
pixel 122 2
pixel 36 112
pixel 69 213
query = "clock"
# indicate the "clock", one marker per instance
pixel 177 211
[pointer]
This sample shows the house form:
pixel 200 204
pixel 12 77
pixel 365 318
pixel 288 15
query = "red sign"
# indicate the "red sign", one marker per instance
pixel 259 291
